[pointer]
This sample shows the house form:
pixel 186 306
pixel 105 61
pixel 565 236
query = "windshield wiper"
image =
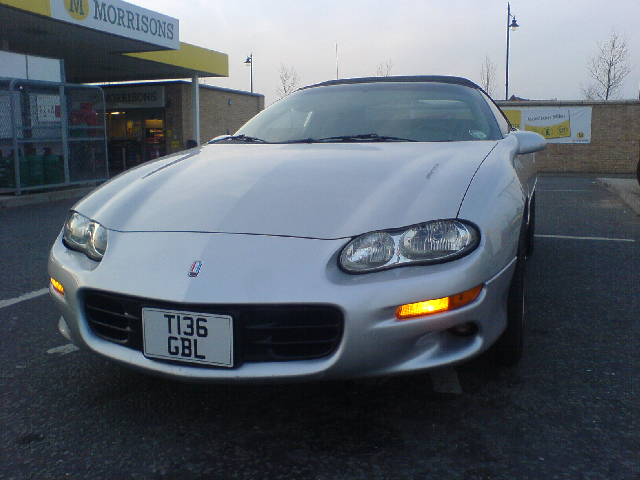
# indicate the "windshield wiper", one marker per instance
pixel 240 138
pixel 372 137
pixel 300 140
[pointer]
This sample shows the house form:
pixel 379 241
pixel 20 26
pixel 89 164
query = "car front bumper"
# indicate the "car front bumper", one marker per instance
pixel 264 270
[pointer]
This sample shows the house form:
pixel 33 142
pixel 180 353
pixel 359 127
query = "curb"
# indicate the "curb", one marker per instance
pixel 45 197
pixel 628 190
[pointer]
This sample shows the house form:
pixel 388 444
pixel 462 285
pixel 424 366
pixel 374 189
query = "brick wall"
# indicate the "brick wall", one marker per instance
pixel 174 123
pixel 615 139
pixel 222 111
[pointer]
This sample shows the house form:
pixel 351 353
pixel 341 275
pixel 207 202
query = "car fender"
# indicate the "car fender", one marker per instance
pixel 495 202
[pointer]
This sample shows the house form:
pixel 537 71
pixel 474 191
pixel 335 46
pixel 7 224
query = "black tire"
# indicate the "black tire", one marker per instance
pixel 638 172
pixel 507 351
pixel 531 227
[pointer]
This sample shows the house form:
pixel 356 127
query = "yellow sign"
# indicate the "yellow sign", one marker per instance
pixel 514 117
pixel 78 9
pixel 560 130
pixel 41 7
pixel 561 124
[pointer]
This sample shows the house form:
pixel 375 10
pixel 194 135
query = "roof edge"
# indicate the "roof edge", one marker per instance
pixel 399 79
pixel 556 103
pixel 207 63
pixel 41 7
pixel 138 83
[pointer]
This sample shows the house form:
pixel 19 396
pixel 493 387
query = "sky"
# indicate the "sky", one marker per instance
pixel 548 59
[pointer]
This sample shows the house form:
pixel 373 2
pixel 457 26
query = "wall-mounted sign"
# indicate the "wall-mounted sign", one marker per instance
pixel 556 124
pixel 16 65
pixel 120 18
pixel 124 98
pixel 46 108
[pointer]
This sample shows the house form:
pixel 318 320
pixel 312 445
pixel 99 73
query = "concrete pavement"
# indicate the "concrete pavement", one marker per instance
pixel 8 201
pixel 627 189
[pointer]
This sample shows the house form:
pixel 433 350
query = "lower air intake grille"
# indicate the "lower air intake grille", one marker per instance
pixel 262 333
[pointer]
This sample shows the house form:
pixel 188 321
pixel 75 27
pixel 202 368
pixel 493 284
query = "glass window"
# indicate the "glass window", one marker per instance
pixel 413 111
pixel 505 126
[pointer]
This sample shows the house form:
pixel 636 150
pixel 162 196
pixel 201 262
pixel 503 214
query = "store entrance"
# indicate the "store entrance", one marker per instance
pixel 135 136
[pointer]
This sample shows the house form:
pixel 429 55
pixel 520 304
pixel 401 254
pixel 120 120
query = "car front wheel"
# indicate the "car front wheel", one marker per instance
pixel 507 351
pixel 531 226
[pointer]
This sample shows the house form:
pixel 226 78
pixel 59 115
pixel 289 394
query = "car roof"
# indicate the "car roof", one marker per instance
pixel 398 79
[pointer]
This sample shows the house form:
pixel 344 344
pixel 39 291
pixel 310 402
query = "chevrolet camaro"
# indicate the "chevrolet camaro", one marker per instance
pixel 356 228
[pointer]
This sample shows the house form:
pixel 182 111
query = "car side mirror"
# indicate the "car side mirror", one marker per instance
pixel 529 142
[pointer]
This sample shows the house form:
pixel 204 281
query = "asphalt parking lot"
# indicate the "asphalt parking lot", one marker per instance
pixel 569 410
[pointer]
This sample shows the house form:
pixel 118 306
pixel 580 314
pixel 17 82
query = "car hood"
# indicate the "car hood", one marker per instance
pixel 323 191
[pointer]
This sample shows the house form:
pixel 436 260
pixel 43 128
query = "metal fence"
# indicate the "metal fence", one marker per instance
pixel 51 135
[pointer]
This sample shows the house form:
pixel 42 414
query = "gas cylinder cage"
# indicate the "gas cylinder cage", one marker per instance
pixel 52 135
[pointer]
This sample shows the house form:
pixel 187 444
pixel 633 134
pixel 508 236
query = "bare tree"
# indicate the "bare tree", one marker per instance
pixel 384 69
pixel 608 68
pixel 488 76
pixel 590 92
pixel 289 81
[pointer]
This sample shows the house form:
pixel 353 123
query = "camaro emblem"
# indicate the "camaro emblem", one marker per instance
pixel 195 268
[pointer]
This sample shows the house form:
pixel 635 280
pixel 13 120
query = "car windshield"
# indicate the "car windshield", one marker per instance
pixel 377 111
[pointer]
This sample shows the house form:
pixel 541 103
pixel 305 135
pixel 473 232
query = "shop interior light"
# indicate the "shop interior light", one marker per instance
pixel 438 305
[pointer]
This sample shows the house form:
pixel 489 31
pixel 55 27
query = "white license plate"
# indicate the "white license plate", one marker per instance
pixel 192 337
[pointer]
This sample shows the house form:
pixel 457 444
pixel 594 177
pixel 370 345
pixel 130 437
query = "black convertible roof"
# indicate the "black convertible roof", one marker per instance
pixel 414 79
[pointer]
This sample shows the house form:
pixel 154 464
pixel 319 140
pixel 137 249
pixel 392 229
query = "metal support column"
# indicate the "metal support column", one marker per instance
pixel 64 113
pixel 196 107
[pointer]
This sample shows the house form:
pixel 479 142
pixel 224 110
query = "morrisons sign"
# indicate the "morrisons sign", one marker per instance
pixel 119 18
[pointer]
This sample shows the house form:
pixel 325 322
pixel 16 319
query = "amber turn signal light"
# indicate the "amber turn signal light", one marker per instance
pixel 438 305
pixel 57 286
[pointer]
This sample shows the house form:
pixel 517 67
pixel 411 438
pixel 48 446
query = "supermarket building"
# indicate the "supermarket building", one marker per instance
pixel 67 118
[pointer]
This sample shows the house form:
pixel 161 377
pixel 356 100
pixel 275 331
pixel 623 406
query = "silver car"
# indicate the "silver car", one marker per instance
pixel 357 228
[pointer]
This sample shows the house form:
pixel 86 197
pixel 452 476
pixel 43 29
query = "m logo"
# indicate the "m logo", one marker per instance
pixel 78 9
pixel 195 268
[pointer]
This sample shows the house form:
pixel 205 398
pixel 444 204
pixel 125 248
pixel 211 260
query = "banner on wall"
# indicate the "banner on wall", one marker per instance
pixel 556 124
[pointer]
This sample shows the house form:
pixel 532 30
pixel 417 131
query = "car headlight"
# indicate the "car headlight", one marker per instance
pixel 426 243
pixel 85 235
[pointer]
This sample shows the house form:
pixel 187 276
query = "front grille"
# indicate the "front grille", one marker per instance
pixel 262 333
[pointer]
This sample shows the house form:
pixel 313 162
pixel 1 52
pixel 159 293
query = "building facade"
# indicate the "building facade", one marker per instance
pixel 52 122
pixel 149 120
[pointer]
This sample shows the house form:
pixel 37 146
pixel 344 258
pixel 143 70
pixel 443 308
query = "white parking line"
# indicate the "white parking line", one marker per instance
pixel 600 239
pixel 562 191
pixel 22 298
pixel 63 350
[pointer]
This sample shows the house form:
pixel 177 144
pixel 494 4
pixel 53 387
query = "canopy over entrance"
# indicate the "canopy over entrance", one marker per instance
pixel 104 41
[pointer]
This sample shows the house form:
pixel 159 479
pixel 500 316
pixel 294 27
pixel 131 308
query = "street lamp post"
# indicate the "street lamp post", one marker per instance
pixel 511 25
pixel 249 62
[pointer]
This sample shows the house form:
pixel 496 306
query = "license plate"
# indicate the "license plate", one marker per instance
pixel 201 338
